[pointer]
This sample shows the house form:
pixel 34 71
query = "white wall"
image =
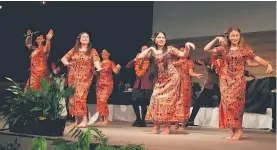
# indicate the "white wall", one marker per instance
pixel 196 19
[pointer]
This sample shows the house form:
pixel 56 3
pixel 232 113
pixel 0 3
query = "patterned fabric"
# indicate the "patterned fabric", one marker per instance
pixel 233 86
pixel 183 66
pixel 38 68
pixel 104 87
pixel 165 104
pixel 80 75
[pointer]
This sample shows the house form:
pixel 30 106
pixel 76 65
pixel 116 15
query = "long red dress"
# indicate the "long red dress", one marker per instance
pixel 165 104
pixel 233 86
pixel 183 66
pixel 104 87
pixel 38 68
pixel 80 75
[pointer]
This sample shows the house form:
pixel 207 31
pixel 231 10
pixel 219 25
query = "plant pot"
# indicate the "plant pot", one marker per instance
pixel 42 127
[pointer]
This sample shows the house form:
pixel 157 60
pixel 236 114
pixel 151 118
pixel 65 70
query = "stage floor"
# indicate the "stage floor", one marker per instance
pixel 192 138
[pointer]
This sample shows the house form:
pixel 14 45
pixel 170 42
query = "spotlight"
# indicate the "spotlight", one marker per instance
pixel 43 3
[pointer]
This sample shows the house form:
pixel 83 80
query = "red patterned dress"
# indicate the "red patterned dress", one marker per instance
pixel 183 66
pixel 233 86
pixel 104 87
pixel 165 104
pixel 39 68
pixel 80 75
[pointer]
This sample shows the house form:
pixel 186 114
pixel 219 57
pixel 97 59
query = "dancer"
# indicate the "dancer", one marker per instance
pixel 39 56
pixel 104 86
pixel 211 88
pixel 142 89
pixel 80 61
pixel 166 92
pixel 232 81
pixel 185 68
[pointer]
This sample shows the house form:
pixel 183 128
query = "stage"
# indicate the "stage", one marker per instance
pixel 192 138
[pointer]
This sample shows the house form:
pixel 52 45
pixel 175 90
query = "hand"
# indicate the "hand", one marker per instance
pixel 189 45
pixel 269 69
pixel 152 48
pixel 50 34
pixel 28 32
pixel 199 76
pixel 118 66
pixel 220 39
pixel 98 70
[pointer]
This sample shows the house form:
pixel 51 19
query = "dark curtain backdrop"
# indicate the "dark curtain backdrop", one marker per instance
pixel 121 27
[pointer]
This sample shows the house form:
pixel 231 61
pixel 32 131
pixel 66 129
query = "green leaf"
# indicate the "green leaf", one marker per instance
pixel 36 93
pixel 44 84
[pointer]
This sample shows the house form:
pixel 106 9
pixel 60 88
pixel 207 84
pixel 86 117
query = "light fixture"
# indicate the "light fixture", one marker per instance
pixel 43 3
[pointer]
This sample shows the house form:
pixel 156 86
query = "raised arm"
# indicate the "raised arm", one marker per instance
pixel 209 46
pixel 48 41
pixel 28 40
pixel 145 53
pixel 182 54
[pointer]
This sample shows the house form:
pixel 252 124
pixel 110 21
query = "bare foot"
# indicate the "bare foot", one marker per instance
pixel 99 123
pixel 155 131
pixel 166 131
pixel 156 128
pixel 231 132
pixel 229 138
pixel 237 135
pixel 104 123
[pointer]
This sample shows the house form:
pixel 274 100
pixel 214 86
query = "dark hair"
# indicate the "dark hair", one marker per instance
pixel 153 66
pixel 78 43
pixel 34 39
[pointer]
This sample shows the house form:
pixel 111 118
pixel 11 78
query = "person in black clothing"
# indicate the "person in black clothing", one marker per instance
pixel 211 89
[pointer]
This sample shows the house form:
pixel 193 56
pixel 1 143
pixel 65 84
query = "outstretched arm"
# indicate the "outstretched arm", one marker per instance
pixel 252 63
pixel 194 74
pixel 251 55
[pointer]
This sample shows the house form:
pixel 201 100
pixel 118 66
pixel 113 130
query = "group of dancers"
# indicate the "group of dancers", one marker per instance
pixel 163 79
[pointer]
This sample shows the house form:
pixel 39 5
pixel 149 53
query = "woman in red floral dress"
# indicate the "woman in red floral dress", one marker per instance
pixel 165 99
pixel 232 81
pixel 80 61
pixel 104 86
pixel 38 58
pixel 185 68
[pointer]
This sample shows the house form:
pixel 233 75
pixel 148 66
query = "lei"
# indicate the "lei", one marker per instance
pixel 217 67
pixel 140 69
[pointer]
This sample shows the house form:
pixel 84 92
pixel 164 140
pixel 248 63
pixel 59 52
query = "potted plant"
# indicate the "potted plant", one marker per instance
pixel 37 112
